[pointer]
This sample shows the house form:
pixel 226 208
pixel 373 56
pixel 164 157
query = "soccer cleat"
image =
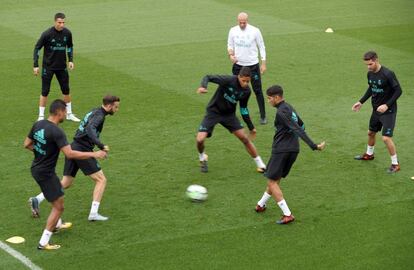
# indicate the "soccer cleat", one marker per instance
pixel 72 117
pixel 286 219
pixel 48 247
pixel 260 209
pixel 263 121
pixel 394 168
pixel 40 118
pixel 204 164
pixel 63 226
pixel 34 207
pixel 364 157
pixel 260 170
pixel 97 217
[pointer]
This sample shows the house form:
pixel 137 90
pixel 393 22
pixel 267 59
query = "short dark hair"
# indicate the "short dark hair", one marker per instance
pixel 57 105
pixel 370 55
pixel 110 99
pixel 245 72
pixel 59 15
pixel 275 90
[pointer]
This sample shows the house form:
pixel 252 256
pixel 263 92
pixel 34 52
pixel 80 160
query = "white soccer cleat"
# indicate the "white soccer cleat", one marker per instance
pixel 97 217
pixel 72 117
pixel 40 118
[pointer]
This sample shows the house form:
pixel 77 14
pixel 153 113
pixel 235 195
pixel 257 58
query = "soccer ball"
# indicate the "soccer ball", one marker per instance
pixel 197 193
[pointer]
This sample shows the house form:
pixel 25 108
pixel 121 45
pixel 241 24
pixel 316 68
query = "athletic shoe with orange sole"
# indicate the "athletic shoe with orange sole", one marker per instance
pixel 365 156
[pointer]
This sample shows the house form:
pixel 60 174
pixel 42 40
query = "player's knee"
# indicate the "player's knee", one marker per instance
pixel 386 139
pixel 200 140
pixel 371 133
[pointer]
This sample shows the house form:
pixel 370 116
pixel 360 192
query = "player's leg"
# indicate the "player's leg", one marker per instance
pixel 236 69
pixel 375 125
pixel 47 76
pixel 205 131
pixel 388 121
pixel 100 185
pixel 52 189
pixel 257 89
pixel 251 149
pixel 63 78
pixel 69 173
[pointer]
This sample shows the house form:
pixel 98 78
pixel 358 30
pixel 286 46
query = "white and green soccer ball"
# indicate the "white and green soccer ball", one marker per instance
pixel 197 193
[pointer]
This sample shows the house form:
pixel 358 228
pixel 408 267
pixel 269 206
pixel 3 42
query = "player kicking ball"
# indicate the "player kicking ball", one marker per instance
pixel 285 149
pixel 86 137
pixel 222 110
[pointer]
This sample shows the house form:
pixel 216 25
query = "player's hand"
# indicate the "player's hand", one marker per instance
pixel 263 68
pixel 383 108
pixel 202 90
pixel 357 106
pixel 252 134
pixel 36 71
pixel 100 154
pixel 71 65
pixel 321 146
pixel 233 59
pixel 106 148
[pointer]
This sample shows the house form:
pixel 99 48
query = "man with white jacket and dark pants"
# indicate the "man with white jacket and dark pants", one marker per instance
pixel 244 44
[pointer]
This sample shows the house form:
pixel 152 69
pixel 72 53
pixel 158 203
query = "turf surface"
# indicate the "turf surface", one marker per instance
pixel 153 54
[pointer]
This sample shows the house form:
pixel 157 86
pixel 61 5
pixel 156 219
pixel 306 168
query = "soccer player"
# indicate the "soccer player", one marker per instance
pixel 384 90
pixel 46 139
pixel 285 149
pixel 222 109
pixel 243 45
pixel 86 137
pixel 56 41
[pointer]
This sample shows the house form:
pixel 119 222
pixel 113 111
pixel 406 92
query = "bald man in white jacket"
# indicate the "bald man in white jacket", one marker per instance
pixel 243 46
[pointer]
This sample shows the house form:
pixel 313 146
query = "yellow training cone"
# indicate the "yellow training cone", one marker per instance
pixel 15 240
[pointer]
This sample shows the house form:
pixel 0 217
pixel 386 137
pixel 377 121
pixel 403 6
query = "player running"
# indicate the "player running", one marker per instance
pixel 222 109
pixel 46 139
pixel 86 137
pixel 384 90
pixel 285 149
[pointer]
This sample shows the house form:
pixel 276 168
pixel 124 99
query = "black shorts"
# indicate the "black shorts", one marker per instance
pixel 386 122
pixel 279 165
pixel 61 75
pixel 230 121
pixel 49 184
pixel 87 166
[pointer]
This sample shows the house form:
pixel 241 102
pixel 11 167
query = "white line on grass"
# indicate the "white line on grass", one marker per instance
pixel 19 256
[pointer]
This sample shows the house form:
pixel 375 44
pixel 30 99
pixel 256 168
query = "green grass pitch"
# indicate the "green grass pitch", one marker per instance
pixel 153 54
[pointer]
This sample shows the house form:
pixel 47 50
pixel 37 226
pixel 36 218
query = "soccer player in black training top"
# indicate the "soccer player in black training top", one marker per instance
pixel 384 90
pixel 86 137
pixel 56 41
pixel 46 139
pixel 222 109
pixel 285 149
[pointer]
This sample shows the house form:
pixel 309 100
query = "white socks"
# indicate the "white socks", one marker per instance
pixel 69 107
pixel 59 223
pixel 370 150
pixel 201 156
pixel 94 208
pixel 394 160
pixel 42 111
pixel 44 240
pixel 259 162
pixel 40 198
pixel 264 199
pixel 285 209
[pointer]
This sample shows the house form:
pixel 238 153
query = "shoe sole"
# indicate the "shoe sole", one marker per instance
pixel 360 158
